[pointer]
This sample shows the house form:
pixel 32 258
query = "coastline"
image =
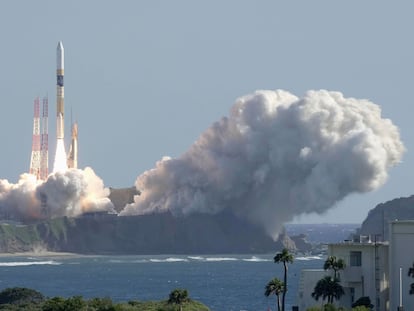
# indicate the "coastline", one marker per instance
pixel 40 254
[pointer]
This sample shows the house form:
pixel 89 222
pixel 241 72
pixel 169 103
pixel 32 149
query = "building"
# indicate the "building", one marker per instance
pixel 379 270
pixel 365 274
pixel 308 280
pixel 402 260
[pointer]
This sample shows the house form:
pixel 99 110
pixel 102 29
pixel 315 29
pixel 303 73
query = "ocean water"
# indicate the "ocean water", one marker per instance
pixel 223 282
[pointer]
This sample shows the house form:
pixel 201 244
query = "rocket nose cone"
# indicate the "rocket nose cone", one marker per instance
pixel 60 56
pixel 60 46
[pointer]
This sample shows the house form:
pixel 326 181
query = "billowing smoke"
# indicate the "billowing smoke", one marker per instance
pixel 274 157
pixel 69 193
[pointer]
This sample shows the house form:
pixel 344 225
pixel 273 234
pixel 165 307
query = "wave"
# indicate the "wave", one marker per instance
pixel 309 258
pixel 128 261
pixel 255 259
pixel 221 259
pixel 196 258
pixel 170 259
pixel 28 263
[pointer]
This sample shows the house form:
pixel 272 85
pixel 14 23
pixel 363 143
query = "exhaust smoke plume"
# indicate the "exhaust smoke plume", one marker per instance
pixel 66 193
pixel 274 157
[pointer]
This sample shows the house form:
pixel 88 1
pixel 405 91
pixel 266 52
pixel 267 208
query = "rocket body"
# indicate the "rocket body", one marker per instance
pixel 60 164
pixel 60 92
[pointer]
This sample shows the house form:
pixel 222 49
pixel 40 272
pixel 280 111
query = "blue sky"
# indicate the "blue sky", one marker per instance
pixel 145 78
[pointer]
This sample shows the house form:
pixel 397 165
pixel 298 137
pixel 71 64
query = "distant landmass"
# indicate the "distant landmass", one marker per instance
pixel 322 233
pixel 376 223
pixel 102 233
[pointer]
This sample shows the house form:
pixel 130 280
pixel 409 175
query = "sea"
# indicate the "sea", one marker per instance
pixel 223 282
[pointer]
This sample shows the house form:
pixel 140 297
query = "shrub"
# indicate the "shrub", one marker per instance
pixel 364 301
pixel 20 295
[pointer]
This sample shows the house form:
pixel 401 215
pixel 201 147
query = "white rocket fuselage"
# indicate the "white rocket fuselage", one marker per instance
pixel 60 93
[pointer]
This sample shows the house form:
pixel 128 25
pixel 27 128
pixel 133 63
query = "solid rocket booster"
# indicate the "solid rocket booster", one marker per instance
pixel 60 94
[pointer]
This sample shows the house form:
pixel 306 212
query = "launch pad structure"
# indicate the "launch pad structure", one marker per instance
pixel 39 160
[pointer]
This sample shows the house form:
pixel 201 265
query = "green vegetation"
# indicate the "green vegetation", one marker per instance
pixel 276 287
pixel 11 234
pixel 285 257
pixel 363 302
pixel 329 287
pixel 178 297
pixel 58 227
pixel 335 264
pixel 13 299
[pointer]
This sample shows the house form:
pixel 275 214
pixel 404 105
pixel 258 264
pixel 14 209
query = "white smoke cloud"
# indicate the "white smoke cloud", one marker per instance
pixel 68 193
pixel 274 157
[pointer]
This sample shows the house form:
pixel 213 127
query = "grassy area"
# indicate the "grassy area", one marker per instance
pixel 24 234
pixel 12 299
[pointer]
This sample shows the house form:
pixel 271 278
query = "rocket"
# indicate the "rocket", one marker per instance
pixel 60 94
pixel 60 164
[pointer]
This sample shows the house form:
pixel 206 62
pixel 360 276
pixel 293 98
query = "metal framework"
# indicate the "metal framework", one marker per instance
pixel 44 147
pixel 35 157
pixel 40 147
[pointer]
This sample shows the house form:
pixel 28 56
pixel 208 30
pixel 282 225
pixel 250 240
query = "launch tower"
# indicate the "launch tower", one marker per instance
pixel 40 150
pixel 35 157
pixel 44 142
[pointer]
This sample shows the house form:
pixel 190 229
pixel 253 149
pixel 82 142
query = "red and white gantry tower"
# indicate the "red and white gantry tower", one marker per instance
pixel 35 157
pixel 39 160
pixel 44 143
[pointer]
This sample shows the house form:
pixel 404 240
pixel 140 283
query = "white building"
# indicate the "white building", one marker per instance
pixel 372 269
pixel 308 280
pixel 401 257
pixel 365 274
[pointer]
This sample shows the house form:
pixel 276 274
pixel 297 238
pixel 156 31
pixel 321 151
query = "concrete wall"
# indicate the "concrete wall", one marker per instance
pixel 370 278
pixel 401 256
pixel 307 282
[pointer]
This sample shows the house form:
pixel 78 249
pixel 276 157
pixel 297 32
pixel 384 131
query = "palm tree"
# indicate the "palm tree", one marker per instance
pixel 332 263
pixel 178 296
pixel 286 258
pixel 328 287
pixel 276 287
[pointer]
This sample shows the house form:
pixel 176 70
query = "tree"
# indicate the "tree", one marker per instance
pixel 332 263
pixel 101 304
pixel 328 287
pixel 286 258
pixel 54 304
pixel 178 296
pixel 276 287
pixel 363 301
pixel 20 295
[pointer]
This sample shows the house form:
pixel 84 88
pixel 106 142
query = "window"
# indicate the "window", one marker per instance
pixel 355 259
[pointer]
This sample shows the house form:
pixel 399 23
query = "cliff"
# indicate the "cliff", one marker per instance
pixel 376 223
pixel 100 233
